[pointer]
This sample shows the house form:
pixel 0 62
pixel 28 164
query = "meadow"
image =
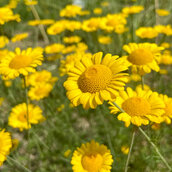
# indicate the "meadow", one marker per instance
pixel 85 86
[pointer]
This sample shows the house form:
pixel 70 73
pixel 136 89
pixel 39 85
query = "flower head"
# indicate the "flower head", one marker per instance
pixel 20 62
pixel 4 41
pixel 140 106
pixel 93 80
pixel 5 145
pixel 19 37
pixel 92 157
pixel 143 57
pixel 146 32
pixel 132 9
pixel 18 116
pixel 162 12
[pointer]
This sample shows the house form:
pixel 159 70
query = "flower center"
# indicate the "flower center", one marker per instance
pixel 22 117
pixel 136 106
pixel 92 163
pixel 140 57
pixel 95 78
pixel 20 61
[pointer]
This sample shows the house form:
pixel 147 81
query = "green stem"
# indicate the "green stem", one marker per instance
pixel 149 140
pixel 129 154
pixel 18 164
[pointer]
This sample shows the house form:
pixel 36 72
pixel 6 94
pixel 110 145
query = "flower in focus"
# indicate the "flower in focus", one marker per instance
pixel 146 32
pixel 4 41
pixel 92 157
pixel 40 91
pixel 93 80
pixel 132 9
pixel 18 116
pixel 71 39
pixel 125 149
pixel 54 48
pixel 162 12
pixel 5 145
pixel 168 108
pixel 104 39
pixel 143 57
pixel 6 14
pixel 140 106
pixel 19 37
pixel 97 11
pixel 21 62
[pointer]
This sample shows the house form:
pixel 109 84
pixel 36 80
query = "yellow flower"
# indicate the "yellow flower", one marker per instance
pixel 71 39
pixel 18 116
pixel 21 62
pixel 165 45
pixel 12 4
pixel 38 22
pixel 67 153
pixel 104 39
pixel 105 4
pixel 31 2
pixel 162 12
pixel 165 29
pixel 146 32
pixel 91 24
pixel 4 41
pixel 132 9
pixel 166 58
pixel 140 107
pixel 143 57
pixel 1 100
pixel 60 108
pixel 92 157
pixel 81 47
pixel 71 59
pixel 125 149
pixel 135 77
pixel 97 11
pixel 54 48
pixel 113 22
pixel 34 22
pixel 6 14
pixel 7 83
pixel 19 37
pixel 69 49
pixel 41 77
pixel 73 25
pixel 70 11
pixel 146 87
pixel 3 53
pixel 5 145
pixel 163 71
pixel 83 13
pixel 40 91
pixel 168 108
pixel 93 80
pixel 155 126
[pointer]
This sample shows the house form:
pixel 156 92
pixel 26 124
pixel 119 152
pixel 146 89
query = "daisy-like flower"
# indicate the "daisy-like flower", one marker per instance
pixel 31 2
pixel 143 57
pixel 19 37
pixel 71 39
pixel 54 48
pixel 166 58
pixel 92 157
pixel 4 41
pixel 18 116
pixel 41 77
pixel 93 80
pixel 162 12
pixel 21 62
pixel 140 106
pixel 168 108
pixel 104 39
pixel 5 145
pixel 40 91
pixel 133 9
pixel 97 11
pixel 125 149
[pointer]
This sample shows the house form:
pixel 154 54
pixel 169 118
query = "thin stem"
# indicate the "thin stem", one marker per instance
pixel 129 154
pixel 27 113
pixel 149 140
pixel 156 149
pixel 18 164
pixel 41 27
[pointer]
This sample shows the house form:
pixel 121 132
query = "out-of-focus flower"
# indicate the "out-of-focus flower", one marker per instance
pixel 146 32
pixel 60 108
pixel 3 41
pixel 1 100
pixel 125 149
pixel 39 22
pixel 165 45
pixel 166 58
pixel 105 4
pixel 155 126
pixel 71 39
pixel 132 9
pixel 31 2
pixel 97 11
pixel 54 48
pixel 19 37
pixel 67 153
pixel 165 29
pixel 163 71
pixel 104 39
pixel 162 12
